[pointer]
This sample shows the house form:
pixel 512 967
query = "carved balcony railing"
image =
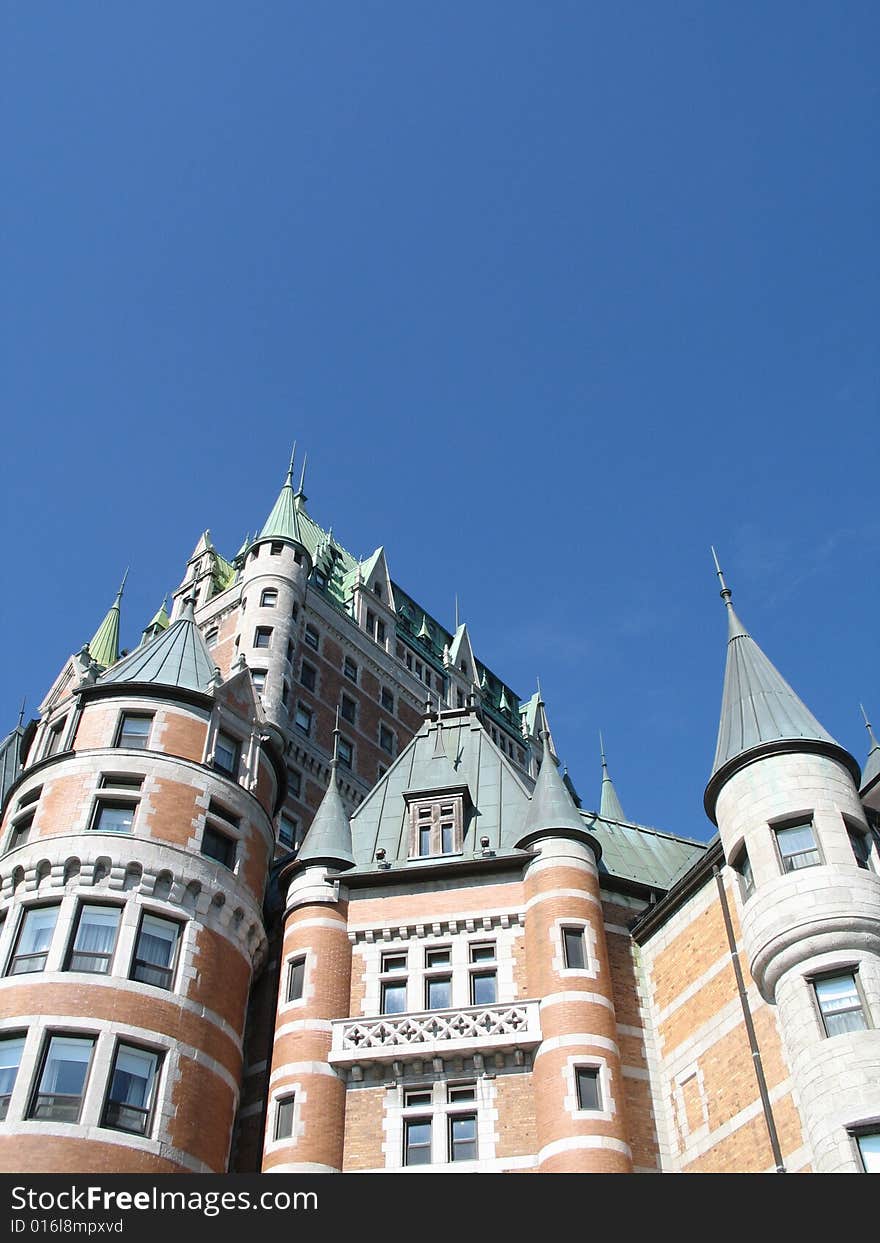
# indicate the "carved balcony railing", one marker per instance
pixel 470 1029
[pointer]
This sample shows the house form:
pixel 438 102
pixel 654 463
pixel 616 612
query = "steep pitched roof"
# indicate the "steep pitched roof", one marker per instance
pixel 283 522
pixel 178 656
pixel 609 805
pixel 329 837
pixel 758 708
pixel 552 806
pixel 872 763
pixel 104 644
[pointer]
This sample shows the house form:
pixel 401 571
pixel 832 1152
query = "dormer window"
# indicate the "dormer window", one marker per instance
pixel 436 826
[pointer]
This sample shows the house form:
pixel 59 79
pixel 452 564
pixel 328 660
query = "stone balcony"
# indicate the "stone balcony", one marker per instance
pixel 460 1032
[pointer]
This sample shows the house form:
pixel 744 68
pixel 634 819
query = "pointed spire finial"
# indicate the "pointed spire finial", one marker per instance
pixel 334 763
pixel 290 467
pixel 122 584
pixel 456 611
pixel 21 712
pixel 602 750
pixel 302 478
pixel 726 593
pixel 874 742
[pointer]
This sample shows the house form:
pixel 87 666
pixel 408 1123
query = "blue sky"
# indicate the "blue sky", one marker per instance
pixel 555 295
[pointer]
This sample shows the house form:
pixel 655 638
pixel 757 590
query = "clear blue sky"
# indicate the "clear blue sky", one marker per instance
pixel 554 294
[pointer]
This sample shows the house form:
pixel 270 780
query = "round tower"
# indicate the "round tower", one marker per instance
pixel 785 798
pixel 274 577
pixel 578 1084
pixel 133 871
pixel 305 1119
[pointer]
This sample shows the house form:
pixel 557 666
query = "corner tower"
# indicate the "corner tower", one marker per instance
pixel 785 798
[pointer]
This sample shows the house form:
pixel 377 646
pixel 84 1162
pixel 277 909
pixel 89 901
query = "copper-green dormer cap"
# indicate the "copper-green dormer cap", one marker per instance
pixel 871 774
pixel 609 805
pixel 329 837
pixel 760 712
pixel 104 647
pixel 158 623
pixel 552 810
pixel 177 657
pixel 283 521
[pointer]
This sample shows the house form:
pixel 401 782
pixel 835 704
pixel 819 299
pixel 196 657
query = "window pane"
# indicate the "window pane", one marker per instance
pixel 447 844
pixel 463 1137
pixel 131 1089
pixel 135 731
pixel 296 979
pixel 797 845
pixel 438 993
pixel 483 988
pixel 869 1147
pixel 394 962
pixel 218 846
pixel 574 947
pixel 437 957
pixel 284 1118
pixel 226 754
pixel 113 819
pixel 10 1056
pixel 861 848
pixel 424 841
pixel 154 954
pixel 34 940
pixel 95 939
pixel 588 1088
pixel 63 1079
pixel 418 1141
pixel 482 953
pixel 394 998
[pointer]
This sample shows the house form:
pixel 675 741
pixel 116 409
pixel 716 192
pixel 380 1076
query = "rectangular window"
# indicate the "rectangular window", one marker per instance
pixel 308 676
pixel 386 739
pixel 287 831
pixel 840 1004
pixel 134 731
pixel 226 754
pixel 438 957
pixel 346 753
pixel 424 840
pixel 311 637
pixel 95 939
pixel 394 996
pixel 797 847
pixel 294 782
pixel 296 979
pixel 436 827
pixel 588 1089
pixel 63 1079
pixel 861 848
pixel 284 1117
pixel 303 719
pixel 348 709
pixel 743 866
pixel 380 632
pixel 869 1150
pixel 21 830
pixel 417 1141
pixel 484 988
pixel 258 677
pixel 211 639
pixel 350 669
pixel 438 992
pixel 573 945
pixel 387 699
pixel 113 817
pixel 54 740
pixel 262 636
pixel 269 598
pixel 219 846
pixel 275 548
pixel 10 1056
pixel 132 1089
pixel 34 939
pixel 463 1137
pixel 156 952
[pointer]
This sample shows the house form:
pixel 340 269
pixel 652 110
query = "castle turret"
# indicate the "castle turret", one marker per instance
pixel 104 645
pixel 274 577
pixel 305 1120
pixel 609 804
pixel 785 798
pixel 579 1088
pixel 134 864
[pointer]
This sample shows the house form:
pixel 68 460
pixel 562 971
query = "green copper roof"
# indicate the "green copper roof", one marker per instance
pixel 177 657
pixel 283 522
pixel 10 759
pixel 104 645
pixel 160 619
pixel 329 837
pixel 635 852
pixel 872 763
pixel 552 806
pixel 609 806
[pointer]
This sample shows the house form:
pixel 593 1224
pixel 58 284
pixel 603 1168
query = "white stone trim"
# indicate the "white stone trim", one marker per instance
pixel 277 1094
pixel 597 999
pixel 576 1142
pixel 301 1068
pixel 553 894
pixel 303 1025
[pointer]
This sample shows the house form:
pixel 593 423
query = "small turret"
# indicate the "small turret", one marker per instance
pixel 104 645
pixel 609 805
pixel 328 840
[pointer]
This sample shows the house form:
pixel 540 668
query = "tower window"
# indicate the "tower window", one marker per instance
pixel 797 846
pixel 296 979
pixel 284 1117
pixel 258 677
pixel 742 865
pixel 155 953
pixel 34 940
pixel 21 830
pixel 62 1080
pixel 303 718
pixel 589 1092
pixel 11 1048
pixel 574 949
pixel 840 1003
pixel 95 939
pixel 226 754
pixel 211 638
pixel 134 730
pixel 132 1089
pixel 263 636
pixel 113 817
pixel 275 548
pixel 268 598
pixel 346 753
pixel 287 831
pixel 218 846
pixel 54 740
pixel 861 848
pixel 308 676
pixel 867 1142
pixel 311 637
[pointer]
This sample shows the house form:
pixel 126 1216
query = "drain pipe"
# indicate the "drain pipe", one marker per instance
pixel 750 1028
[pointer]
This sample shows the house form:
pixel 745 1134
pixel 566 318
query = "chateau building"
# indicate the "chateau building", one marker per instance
pixel 297 885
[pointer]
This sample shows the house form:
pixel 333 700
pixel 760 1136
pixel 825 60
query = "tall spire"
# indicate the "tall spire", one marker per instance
pixel 283 521
pixel 104 645
pixel 301 490
pixel 872 764
pixel 759 710
pixel 552 807
pixel 329 837
pixel 609 806
pixel 179 656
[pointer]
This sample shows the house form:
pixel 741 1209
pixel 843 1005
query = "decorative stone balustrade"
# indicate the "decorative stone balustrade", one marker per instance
pixel 443 1033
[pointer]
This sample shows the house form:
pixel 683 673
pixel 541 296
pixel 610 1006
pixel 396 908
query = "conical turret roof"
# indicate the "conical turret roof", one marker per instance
pixel 283 521
pixel 329 837
pixel 177 657
pixel 609 805
pixel 104 645
pixel 551 806
pixel 759 710
pixel 872 763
